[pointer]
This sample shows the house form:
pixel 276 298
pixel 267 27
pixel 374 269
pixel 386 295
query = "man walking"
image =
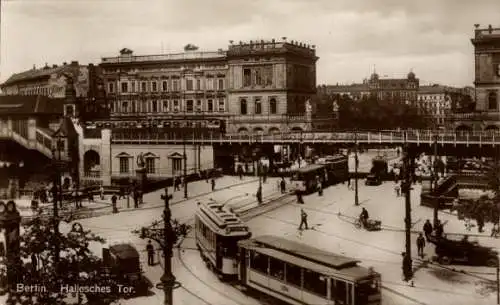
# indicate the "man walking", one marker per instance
pixel 283 185
pixel 303 219
pixel 213 184
pixel 427 229
pixel 151 253
pixel 420 245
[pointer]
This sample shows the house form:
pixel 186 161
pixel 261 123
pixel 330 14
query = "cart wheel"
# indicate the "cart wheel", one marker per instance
pixel 492 262
pixel 445 260
pixel 357 224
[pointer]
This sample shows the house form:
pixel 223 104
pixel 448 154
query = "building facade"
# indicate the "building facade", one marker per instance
pixel 436 102
pixel 355 91
pixel 253 87
pixel 394 89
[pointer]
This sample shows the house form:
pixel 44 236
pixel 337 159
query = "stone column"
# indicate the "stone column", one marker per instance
pixel 106 158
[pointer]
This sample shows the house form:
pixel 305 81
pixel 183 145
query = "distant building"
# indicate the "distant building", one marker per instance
pixel 435 101
pixel 354 91
pixel 394 89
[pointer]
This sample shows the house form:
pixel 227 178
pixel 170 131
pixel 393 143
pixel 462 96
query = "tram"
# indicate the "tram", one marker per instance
pixel 217 232
pixel 302 275
pixel 330 170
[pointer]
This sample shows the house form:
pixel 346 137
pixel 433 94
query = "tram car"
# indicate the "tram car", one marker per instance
pixel 217 232
pixel 302 275
pixel 337 168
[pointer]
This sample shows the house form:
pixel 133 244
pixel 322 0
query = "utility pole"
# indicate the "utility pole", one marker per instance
pixel 167 279
pixel 57 199
pixel 185 163
pixel 434 181
pixel 407 262
pixel 356 161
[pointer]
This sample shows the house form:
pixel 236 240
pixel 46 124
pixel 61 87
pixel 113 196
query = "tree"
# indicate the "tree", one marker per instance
pixel 77 264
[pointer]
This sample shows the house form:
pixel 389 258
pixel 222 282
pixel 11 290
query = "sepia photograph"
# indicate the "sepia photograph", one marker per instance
pixel 249 152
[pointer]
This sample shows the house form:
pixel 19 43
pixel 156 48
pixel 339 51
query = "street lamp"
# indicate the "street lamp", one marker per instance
pixel 57 153
pixel 10 220
pixel 77 229
pixel 167 279
pixel 356 162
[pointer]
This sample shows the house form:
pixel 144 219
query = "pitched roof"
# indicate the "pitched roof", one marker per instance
pixel 37 73
pixel 30 104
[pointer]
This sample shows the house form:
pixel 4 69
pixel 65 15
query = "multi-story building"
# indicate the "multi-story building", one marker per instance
pixel 254 87
pixel 271 85
pixel 354 91
pixel 48 81
pixel 435 101
pixel 486 93
pixel 394 89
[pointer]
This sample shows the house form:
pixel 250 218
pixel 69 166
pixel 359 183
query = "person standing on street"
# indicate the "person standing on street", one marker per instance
pixel 303 219
pixel 397 189
pixel 320 188
pixel 151 253
pixel 427 229
pixel 420 245
pixel 212 181
pixel 282 184
pixel 101 190
pixel 114 198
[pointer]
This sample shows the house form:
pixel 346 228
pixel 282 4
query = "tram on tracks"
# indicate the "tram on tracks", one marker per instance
pixel 217 232
pixel 329 170
pixel 302 275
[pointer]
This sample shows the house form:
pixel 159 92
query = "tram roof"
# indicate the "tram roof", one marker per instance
pixel 304 251
pixel 310 167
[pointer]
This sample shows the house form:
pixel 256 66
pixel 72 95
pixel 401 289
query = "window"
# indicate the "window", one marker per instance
pixel 210 106
pixel 154 106
pixel 111 87
pixel 189 105
pixel 124 106
pixel 124 87
pixel 258 77
pixel 165 106
pixel 124 165
pixel 247 77
pixel 153 86
pixel 315 282
pixel 176 105
pixel 272 106
pixel 268 75
pixel 198 106
pixel 164 85
pixel 143 86
pixel 293 275
pixel 132 85
pixel 210 84
pixel 339 291
pixel 175 85
pixel 492 101
pixel 134 106
pixel 198 84
pixel 258 262
pixel 243 106
pixel 258 106
pixel 177 165
pixel 277 269
pixel 189 84
pixel 150 165
pixel 222 105
pixel 221 84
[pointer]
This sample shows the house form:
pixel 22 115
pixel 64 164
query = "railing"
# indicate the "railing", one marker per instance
pixel 382 137
pixel 92 174
pixel 164 57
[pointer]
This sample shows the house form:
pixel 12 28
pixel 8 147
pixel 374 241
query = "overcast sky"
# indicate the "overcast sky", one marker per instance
pixel 432 37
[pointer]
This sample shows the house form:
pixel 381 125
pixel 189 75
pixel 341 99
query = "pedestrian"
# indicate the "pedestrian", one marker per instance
pixel 427 229
pixel 420 245
pixel 283 185
pixel 320 188
pixel 240 171
pixel 113 203
pixel 259 194
pixel 136 199
pixel 303 219
pixel 299 197
pixel 101 190
pixel 406 266
pixel 151 253
pixel 480 223
pixel 397 189
pixel 212 181
pixel 349 182
pixel 176 184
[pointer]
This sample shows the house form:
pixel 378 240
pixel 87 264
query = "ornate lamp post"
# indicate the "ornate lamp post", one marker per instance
pixel 167 279
pixel 57 154
pixel 77 229
pixel 406 188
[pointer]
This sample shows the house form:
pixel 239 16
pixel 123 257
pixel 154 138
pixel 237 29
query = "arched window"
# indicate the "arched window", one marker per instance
pixel 492 101
pixel 272 106
pixel 243 106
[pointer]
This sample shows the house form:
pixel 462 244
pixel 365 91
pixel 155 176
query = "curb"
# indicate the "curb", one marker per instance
pixel 403 295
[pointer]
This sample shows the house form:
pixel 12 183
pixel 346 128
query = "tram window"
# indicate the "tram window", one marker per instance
pixel 258 262
pixel 277 268
pixel 315 283
pixel 293 275
pixel 339 291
